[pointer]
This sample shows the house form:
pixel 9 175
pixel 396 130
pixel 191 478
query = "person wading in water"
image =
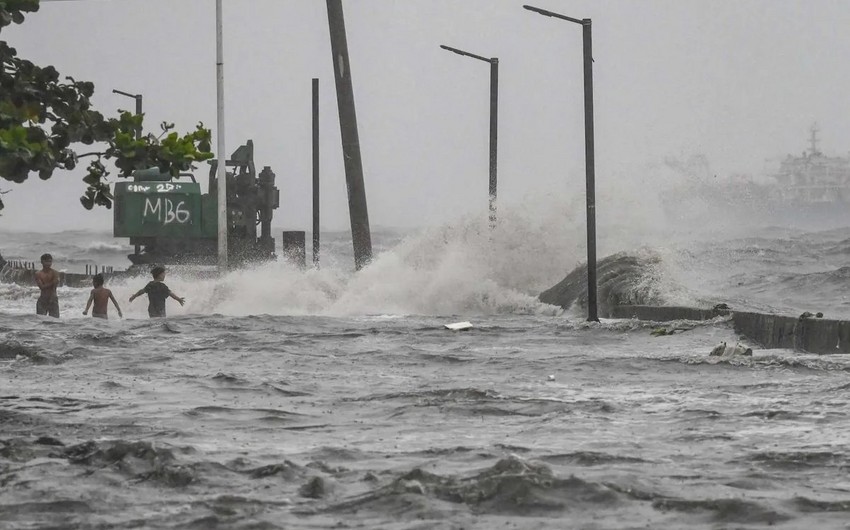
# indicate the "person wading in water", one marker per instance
pixel 47 280
pixel 100 297
pixel 157 292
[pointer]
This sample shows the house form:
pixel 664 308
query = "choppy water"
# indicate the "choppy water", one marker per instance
pixel 322 399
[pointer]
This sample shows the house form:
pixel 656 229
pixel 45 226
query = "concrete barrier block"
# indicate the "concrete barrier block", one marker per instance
pixel 811 335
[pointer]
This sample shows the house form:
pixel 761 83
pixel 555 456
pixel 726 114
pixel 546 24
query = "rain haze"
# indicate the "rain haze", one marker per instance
pixel 737 81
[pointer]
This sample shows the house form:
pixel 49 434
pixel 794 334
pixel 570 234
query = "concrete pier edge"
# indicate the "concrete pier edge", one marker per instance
pixel 809 335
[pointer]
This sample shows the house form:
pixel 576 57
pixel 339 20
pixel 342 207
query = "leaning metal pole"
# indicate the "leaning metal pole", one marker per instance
pixel 590 172
pixel 221 168
pixel 357 210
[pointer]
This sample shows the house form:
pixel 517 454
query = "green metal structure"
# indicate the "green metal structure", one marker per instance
pixel 170 220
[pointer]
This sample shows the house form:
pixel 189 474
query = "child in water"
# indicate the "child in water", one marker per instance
pixel 157 292
pixel 47 280
pixel 100 296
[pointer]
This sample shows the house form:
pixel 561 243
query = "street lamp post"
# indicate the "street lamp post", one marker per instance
pixel 588 155
pixel 494 121
pixel 316 189
pixel 138 98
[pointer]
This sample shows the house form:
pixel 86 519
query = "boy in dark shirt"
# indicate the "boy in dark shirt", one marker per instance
pixel 157 293
pixel 101 296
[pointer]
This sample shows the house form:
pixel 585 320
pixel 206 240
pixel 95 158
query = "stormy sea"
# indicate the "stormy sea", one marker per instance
pixel 323 398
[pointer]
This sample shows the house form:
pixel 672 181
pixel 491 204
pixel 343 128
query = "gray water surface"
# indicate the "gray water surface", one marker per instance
pixel 395 422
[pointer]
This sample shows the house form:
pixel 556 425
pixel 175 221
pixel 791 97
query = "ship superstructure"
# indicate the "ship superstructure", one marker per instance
pixel 813 178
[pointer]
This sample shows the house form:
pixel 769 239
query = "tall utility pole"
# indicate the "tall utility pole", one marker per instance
pixel 494 121
pixel 357 210
pixel 221 167
pixel 590 175
pixel 315 172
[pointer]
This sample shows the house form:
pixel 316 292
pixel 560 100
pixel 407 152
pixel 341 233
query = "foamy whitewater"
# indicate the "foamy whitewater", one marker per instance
pixel 282 398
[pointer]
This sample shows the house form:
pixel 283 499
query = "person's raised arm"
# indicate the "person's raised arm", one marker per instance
pixel 88 304
pixel 138 294
pixel 178 298
pixel 114 301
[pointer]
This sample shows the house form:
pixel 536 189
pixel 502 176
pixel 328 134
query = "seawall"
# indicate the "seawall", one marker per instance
pixel 810 334
pixel 24 274
pixel 626 288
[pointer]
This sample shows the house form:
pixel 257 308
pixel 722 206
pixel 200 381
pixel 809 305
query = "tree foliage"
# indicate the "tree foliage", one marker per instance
pixel 44 118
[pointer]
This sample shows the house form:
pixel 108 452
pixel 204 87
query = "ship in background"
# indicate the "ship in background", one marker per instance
pixel 814 178
pixel 806 192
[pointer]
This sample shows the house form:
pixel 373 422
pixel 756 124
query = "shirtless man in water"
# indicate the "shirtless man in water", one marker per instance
pixel 47 280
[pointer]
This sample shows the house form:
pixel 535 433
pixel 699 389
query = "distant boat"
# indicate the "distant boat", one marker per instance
pixel 810 192
pixel 813 178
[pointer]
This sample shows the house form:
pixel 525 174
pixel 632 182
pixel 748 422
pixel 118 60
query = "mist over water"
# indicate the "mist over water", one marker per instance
pixel 464 268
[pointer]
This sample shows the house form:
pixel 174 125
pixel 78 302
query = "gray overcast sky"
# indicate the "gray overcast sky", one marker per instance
pixel 739 80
